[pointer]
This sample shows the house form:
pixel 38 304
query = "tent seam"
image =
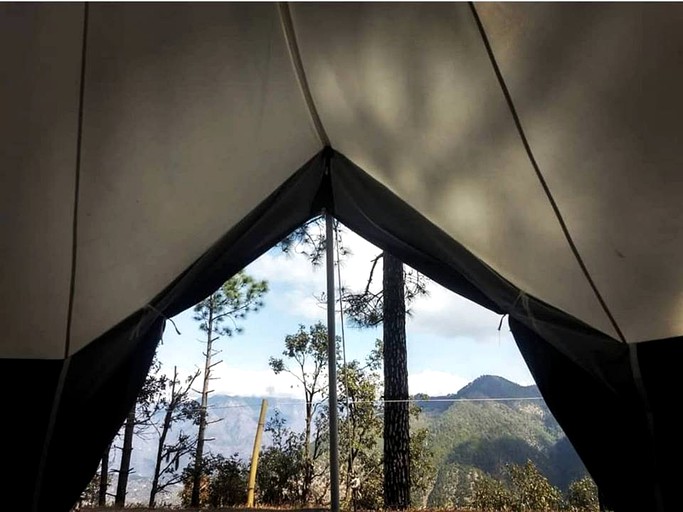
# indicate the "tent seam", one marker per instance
pixel 539 174
pixel 77 185
pixel 72 283
pixel 297 64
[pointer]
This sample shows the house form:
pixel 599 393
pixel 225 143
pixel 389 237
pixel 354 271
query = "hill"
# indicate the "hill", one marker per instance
pixel 487 424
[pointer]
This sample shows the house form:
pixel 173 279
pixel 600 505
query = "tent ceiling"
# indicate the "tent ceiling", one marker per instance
pixel 422 112
pixel 413 100
pixel 598 88
pixel 40 48
pixel 193 114
pixel 191 118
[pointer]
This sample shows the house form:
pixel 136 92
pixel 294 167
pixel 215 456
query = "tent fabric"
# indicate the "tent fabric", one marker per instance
pixel 150 151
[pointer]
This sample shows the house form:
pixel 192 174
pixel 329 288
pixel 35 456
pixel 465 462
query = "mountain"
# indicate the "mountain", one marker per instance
pixel 471 432
pixel 484 387
pixel 233 421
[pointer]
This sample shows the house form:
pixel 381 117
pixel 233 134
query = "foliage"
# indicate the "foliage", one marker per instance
pixel 524 489
pixel 90 495
pixel 360 430
pixel 365 307
pixel 454 487
pixel 150 398
pixel 309 239
pixel 237 297
pixel 422 468
pixel 218 315
pixel 583 496
pixel 281 465
pixel 178 407
pixel 307 352
pixel 491 495
pixel 531 490
pixel 223 483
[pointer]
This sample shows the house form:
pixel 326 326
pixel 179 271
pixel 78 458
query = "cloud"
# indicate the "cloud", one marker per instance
pixel 297 285
pixel 242 382
pixel 446 314
pixel 441 313
pixel 435 383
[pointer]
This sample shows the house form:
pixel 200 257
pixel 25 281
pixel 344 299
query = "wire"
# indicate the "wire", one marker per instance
pixel 377 402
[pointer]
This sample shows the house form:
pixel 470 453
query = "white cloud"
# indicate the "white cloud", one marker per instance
pixel 446 314
pixel 442 313
pixel 241 382
pixel 304 284
pixel 435 383
pixel 292 269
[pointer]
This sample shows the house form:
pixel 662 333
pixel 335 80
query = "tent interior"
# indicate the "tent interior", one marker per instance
pixel 525 156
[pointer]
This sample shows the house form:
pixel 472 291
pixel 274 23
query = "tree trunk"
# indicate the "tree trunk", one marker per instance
pixel 168 417
pixel 126 452
pixel 396 414
pixel 104 477
pixel 199 454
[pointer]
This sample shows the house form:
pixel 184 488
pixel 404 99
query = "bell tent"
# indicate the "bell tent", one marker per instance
pixel 526 156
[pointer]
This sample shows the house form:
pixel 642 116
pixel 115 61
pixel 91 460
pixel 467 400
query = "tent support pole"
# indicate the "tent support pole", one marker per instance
pixel 332 367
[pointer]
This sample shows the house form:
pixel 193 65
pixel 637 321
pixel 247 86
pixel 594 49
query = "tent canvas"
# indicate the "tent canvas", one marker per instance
pixel 523 155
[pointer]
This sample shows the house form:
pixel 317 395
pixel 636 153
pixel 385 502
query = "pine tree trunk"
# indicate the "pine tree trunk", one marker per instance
pixel 126 452
pixel 104 477
pixel 396 414
pixel 199 454
pixel 168 418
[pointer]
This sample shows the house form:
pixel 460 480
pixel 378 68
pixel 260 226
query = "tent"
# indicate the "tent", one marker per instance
pixel 526 156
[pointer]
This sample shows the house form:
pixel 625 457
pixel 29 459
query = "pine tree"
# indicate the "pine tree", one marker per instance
pixel 218 316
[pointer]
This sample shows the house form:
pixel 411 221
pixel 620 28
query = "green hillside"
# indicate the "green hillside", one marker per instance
pixel 481 435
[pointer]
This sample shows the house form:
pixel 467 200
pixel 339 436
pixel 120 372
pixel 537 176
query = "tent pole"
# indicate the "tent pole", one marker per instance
pixel 332 368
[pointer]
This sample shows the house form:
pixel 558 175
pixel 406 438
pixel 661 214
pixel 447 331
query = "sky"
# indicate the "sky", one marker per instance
pixel 451 341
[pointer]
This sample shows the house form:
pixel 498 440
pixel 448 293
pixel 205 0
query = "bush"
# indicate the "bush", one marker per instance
pixel 281 466
pixel 582 496
pixel 223 482
pixel 524 489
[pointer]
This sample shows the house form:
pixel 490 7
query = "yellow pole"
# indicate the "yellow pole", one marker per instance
pixel 254 455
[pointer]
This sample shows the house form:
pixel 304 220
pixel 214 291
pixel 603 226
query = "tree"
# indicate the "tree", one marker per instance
pixel 178 406
pixel 104 477
pixel 281 465
pixel 396 407
pixel 370 308
pixel 582 496
pixel 361 430
pixel 126 452
pixel 307 352
pixel 139 417
pixel 388 306
pixel 223 482
pixel 218 315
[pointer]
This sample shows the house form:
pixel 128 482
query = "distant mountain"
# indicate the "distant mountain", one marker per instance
pixel 491 386
pixel 486 386
pixel 232 428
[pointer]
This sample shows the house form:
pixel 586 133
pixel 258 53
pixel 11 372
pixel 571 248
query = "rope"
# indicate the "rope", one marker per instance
pixel 380 402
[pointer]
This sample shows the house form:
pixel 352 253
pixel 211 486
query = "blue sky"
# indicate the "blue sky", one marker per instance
pixel 451 340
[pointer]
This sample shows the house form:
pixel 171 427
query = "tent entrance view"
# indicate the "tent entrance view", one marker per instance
pixel 524 156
